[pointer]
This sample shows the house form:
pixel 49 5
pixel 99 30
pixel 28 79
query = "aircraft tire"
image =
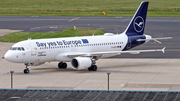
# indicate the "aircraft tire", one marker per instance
pixel 89 69
pixel 59 64
pixel 26 71
pixel 94 67
pixel 64 65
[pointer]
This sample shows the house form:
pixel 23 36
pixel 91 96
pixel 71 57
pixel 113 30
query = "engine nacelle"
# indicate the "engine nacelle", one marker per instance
pixel 35 64
pixel 81 63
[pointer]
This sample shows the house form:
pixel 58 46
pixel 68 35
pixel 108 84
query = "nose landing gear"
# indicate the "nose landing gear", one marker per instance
pixel 26 71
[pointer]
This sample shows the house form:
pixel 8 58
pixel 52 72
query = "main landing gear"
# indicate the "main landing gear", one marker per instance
pixel 92 68
pixel 26 71
pixel 62 65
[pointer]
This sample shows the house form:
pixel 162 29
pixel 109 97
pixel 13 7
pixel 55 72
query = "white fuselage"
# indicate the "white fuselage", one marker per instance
pixel 55 49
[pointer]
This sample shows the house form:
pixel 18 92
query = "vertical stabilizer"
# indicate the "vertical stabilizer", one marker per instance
pixel 137 24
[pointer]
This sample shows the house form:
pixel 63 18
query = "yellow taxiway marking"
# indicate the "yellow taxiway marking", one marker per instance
pixel 73 19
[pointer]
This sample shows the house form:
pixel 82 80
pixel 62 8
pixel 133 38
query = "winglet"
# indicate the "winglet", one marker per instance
pixel 163 50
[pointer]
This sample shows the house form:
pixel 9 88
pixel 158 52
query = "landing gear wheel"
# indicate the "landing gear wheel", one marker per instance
pixel 26 71
pixel 59 64
pixel 92 68
pixel 89 69
pixel 62 65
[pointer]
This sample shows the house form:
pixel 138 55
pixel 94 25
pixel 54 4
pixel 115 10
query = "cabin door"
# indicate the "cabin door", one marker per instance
pixel 33 49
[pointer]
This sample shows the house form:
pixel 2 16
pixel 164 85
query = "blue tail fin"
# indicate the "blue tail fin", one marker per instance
pixel 137 24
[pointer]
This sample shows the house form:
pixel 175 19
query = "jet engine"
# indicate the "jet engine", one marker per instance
pixel 81 63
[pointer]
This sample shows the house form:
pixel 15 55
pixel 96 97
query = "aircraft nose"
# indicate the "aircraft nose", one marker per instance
pixel 7 56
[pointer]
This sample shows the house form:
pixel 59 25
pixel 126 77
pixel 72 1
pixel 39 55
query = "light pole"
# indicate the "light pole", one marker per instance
pixel 11 78
pixel 108 73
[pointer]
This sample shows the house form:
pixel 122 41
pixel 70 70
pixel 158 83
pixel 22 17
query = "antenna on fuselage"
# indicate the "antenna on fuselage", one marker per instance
pixel 29 38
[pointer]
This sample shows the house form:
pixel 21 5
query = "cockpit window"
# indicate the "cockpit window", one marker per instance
pixel 17 48
pixel 14 48
pixel 22 48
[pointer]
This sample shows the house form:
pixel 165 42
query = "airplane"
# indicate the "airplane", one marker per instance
pixel 83 52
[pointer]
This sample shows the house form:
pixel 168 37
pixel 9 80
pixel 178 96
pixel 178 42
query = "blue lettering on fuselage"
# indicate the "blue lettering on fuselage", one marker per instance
pixel 59 43
pixel 63 42
pixel 75 42
pixel 51 44
pixel 41 44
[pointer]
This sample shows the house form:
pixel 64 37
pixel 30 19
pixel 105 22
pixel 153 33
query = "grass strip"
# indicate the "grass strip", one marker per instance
pixel 20 36
pixel 169 8
pixel 108 14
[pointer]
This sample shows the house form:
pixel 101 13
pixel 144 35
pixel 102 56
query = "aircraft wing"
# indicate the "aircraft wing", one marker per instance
pixel 113 52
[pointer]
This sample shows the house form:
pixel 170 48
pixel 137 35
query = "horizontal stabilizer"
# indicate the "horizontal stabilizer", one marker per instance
pixel 155 39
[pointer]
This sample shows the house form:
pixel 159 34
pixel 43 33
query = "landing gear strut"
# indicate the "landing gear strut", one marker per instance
pixel 26 71
pixel 62 65
pixel 92 68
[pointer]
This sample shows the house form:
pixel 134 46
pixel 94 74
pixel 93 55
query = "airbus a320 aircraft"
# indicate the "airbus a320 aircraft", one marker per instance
pixel 83 52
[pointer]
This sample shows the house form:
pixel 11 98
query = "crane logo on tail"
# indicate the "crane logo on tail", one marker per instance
pixel 138 24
